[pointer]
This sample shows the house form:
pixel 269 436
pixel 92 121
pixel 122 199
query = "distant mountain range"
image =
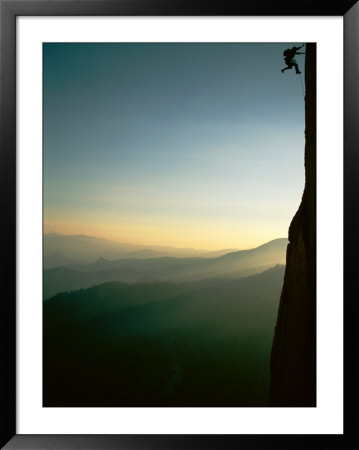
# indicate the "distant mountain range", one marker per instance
pixel 62 250
pixel 236 264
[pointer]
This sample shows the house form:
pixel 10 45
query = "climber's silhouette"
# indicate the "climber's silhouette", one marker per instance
pixel 289 58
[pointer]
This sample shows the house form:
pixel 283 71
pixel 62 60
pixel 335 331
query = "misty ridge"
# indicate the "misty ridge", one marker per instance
pixel 193 329
pixel 69 276
pixel 62 250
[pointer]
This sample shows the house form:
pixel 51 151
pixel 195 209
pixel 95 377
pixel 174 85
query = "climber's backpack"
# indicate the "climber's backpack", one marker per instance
pixel 287 52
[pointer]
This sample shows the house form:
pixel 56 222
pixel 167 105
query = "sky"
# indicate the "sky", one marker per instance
pixel 188 145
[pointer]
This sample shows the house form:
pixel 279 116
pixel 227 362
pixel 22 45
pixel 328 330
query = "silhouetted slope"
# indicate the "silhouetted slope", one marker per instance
pixel 293 360
pixel 162 344
pixel 69 307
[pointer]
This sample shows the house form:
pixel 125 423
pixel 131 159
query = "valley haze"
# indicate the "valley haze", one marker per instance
pixel 60 249
pixel 138 265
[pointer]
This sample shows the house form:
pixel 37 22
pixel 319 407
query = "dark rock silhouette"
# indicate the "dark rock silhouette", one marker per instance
pixel 293 358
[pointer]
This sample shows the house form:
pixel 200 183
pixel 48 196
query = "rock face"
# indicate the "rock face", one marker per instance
pixel 293 359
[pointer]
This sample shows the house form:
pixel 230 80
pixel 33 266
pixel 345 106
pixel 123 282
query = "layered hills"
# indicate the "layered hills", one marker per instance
pixel 62 249
pixel 134 270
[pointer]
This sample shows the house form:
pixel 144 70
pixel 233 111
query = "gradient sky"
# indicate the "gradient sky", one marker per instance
pixel 189 145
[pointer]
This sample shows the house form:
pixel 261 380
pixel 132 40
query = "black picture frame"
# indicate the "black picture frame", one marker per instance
pixel 9 10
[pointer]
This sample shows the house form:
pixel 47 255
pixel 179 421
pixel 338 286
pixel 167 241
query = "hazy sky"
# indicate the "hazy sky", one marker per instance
pixel 190 145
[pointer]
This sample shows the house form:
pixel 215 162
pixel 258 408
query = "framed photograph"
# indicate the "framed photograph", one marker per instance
pixel 173 187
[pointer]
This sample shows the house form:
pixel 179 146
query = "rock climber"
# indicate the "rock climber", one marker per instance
pixel 289 58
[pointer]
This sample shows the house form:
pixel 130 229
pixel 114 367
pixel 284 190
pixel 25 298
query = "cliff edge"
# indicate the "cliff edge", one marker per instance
pixel 293 358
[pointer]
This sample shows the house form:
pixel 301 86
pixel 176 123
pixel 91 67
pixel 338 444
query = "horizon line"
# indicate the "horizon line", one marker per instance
pixel 160 245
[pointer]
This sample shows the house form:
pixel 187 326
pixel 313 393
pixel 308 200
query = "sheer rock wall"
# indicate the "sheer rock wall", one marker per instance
pixel 293 358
